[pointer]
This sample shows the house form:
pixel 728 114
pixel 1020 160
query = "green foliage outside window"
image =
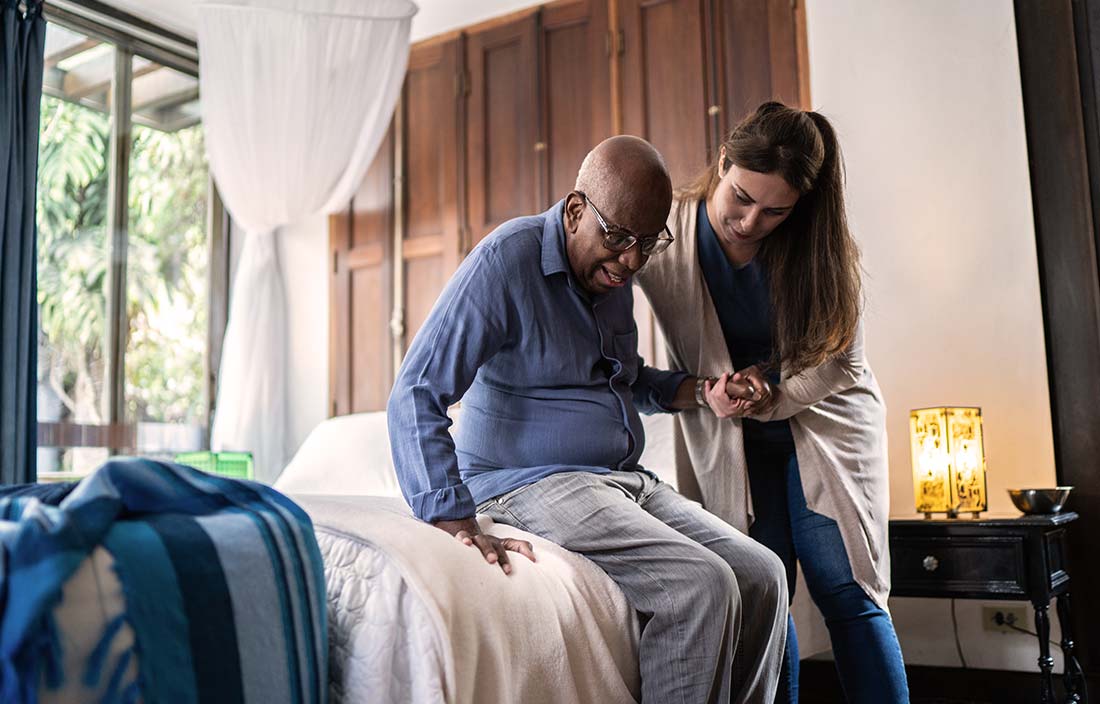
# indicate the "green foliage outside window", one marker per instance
pixel 167 262
pixel 168 272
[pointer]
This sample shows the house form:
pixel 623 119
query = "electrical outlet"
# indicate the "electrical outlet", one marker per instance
pixel 1001 618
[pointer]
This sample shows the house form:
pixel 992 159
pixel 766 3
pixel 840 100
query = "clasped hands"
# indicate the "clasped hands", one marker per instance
pixel 743 393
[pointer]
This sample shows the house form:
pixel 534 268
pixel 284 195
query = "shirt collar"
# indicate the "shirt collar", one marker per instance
pixel 554 258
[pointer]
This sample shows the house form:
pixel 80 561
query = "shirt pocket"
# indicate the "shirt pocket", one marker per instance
pixel 625 348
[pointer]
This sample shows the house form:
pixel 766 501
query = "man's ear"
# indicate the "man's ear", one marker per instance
pixel 574 209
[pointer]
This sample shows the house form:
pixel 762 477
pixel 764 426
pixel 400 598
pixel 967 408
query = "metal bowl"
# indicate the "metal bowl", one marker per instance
pixel 1040 501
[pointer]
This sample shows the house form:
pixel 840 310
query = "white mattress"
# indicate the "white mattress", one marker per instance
pixel 383 645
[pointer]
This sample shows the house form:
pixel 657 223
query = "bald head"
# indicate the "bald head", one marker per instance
pixel 628 180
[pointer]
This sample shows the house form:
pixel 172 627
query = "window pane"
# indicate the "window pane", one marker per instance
pixel 167 263
pixel 72 240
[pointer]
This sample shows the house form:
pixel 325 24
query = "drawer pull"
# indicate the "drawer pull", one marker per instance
pixel 930 563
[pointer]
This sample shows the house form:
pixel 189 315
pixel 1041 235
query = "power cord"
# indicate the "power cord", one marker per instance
pixel 958 643
pixel 1010 623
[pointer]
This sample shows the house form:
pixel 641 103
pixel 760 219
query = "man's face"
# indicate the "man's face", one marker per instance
pixel 598 269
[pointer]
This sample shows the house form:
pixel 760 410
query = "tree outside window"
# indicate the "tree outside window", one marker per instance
pixel 167 260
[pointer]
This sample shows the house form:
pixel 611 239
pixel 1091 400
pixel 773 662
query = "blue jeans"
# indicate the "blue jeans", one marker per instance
pixel 868 657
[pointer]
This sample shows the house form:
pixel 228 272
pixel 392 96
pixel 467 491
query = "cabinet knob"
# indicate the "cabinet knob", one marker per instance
pixel 714 110
pixel 540 146
pixel 930 563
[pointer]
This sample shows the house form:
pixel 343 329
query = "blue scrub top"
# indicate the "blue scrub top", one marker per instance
pixel 742 300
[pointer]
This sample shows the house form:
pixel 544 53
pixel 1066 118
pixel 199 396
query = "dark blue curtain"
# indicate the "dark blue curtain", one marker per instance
pixel 22 43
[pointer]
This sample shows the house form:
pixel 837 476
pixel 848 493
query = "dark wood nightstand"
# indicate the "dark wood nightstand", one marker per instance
pixel 1018 558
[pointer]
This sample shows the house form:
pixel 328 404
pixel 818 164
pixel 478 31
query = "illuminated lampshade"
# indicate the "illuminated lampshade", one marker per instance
pixel 948 460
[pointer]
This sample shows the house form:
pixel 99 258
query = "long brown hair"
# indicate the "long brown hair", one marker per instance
pixel 811 259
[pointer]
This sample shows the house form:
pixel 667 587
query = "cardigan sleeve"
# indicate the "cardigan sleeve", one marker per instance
pixel 799 392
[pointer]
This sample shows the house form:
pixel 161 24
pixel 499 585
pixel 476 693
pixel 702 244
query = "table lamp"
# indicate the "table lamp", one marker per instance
pixel 948 460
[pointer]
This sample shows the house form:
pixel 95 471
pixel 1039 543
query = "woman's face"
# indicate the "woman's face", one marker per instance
pixel 747 206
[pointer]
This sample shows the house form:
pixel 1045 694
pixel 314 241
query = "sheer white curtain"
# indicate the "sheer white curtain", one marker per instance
pixel 296 97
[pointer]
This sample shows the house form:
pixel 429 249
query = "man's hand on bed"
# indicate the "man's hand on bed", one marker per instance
pixel 493 548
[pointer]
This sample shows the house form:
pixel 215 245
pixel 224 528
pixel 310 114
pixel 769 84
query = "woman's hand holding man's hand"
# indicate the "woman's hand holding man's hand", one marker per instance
pixel 741 394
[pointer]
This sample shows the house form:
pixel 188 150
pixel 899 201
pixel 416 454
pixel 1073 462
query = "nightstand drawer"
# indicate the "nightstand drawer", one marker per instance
pixel 958 566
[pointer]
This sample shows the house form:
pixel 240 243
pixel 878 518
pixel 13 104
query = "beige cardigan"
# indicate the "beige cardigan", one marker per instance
pixel 836 412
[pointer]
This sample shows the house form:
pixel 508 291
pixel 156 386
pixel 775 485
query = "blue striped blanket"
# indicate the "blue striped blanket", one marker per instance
pixel 223 583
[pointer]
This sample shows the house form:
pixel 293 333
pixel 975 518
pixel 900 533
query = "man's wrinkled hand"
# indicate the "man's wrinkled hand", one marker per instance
pixel 494 549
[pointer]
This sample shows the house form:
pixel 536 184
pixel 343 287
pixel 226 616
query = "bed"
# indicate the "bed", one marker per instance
pixel 414 616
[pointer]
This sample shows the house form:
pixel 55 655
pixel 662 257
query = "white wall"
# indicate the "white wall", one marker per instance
pixel 438 16
pixel 926 99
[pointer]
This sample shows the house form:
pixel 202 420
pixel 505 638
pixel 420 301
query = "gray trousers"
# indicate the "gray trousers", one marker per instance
pixel 712 601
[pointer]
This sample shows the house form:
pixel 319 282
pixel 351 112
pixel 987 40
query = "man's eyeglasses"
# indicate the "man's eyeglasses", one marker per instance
pixel 619 239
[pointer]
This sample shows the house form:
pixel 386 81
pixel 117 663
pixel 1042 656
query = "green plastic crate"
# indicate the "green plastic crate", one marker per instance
pixel 236 465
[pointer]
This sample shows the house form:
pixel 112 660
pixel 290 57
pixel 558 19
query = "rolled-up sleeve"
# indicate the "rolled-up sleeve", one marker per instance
pixel 467 326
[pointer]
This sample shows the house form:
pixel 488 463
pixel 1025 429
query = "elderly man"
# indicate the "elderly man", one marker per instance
pixel 535 334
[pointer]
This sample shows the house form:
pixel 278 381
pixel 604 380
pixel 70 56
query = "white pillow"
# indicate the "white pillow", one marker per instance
pixel 343 455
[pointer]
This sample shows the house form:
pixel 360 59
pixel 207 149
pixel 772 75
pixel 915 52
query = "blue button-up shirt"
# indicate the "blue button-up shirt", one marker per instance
pixel 549 377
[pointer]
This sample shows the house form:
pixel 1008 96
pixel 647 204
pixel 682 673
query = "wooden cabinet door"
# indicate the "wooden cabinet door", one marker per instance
pixel 361 292
pixel 431 161
pixel 758 57
pixel 665 74
pixel 576 91
pixel 665 77
pixel 502 133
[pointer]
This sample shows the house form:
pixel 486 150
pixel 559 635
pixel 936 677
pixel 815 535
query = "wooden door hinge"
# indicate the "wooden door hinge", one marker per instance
pixel 463 240
pixel 613 43
pixel 462 84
